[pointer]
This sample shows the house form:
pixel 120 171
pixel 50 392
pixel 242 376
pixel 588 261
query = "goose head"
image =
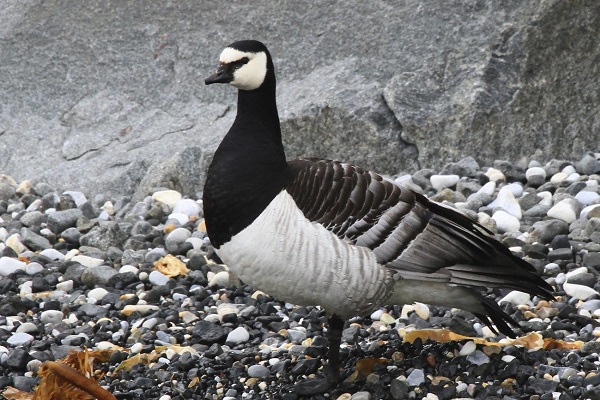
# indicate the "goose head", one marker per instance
pixel 245 65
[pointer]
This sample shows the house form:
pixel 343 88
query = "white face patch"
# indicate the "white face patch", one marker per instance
pixel 250 75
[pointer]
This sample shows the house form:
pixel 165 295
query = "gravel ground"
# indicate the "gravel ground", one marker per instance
pixel 142 280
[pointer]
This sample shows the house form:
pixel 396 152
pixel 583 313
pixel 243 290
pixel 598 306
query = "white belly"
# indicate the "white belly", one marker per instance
pixel 301 262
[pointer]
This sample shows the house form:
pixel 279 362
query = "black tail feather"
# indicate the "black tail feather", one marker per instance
pixel 495 316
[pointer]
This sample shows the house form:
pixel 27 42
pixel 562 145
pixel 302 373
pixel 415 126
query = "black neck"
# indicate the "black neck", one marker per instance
pixel 260 102
pixel 249 167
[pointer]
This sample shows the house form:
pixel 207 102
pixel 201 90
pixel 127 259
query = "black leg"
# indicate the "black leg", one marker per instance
pixel 334 336
pixel 332 369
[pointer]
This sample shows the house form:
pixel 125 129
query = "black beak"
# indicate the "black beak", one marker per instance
pixel 223 75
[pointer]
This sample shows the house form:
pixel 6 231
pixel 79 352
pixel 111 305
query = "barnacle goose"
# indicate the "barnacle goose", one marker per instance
pixel 321 232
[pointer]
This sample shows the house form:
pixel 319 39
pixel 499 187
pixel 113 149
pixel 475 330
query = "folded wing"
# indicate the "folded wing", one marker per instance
pixel 414 237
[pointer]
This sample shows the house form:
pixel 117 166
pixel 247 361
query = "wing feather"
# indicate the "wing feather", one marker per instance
pixel 412 236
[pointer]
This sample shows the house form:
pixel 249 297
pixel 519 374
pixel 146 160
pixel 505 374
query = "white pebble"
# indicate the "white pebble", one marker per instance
pixel 72 318
pixel 508 358
pixel 560 278
pixel 564 210
pixel 51 316
pixel 34 206
pixel 150 323
pixel 141 308
pixel 87 261
pixel 574 177
pixel 578 291
pixel 227 308
pixel 376 315
pixel 129 268
pixel 180 217
pixel 440 182
pixel 558 177
pixel 586 211
pixel 237 336
pixel 515 188
pixel 168 197
pixel 65 286
pixel 52 254
pixel 27 327
pixel 188 207
pixel 33 268
pixel 19 339
pixel 387 319
pixel 219 279
pixel 546 198
pixel 78 197
pixel 422 310
pixel 179 296
pixel 485 220
pixel 586 198
pixel 104 345
pixel 14 242
pixel 136 348
pixel 495 175
pixel 196 242
pixel 506 201
pixel 489 189
pixel 212 318
pixel 403 180
pixel 516 298
pixel 468 348
pixel 26 288
pixel 569 169
pixel 416 377
pixel 461 387
pixel 157 278
pixel 97 293
pixel 108 207
pixel 506 222
pixel 535 171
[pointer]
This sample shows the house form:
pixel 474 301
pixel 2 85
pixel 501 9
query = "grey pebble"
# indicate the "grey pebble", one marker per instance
pixel 105 235
pixel 258 371
pixel 176 238
pixel 416 377
pixel 545 231
pixel 209 332
pixel 24 383
pixel 585 279
pixel 60 220
pixel 157 278
pixel 34 241
pixel 92 310
pixel 591 347
pixel 71 235
pixel 33 218
pixel 97 276
pixel 588 165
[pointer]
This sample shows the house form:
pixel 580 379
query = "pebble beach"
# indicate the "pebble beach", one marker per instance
pixel 140 282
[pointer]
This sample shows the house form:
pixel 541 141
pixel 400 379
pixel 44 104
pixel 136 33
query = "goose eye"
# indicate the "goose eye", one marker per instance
pixel 237 64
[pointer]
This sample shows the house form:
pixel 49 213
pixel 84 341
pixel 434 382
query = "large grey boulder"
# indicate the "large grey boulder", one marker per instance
pixel 109 97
